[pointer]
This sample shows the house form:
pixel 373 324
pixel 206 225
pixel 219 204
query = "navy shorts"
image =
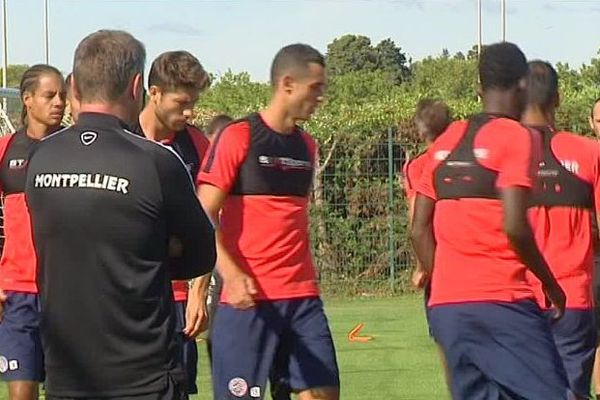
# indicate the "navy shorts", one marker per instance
pixel 292 334
pixel 188 351
pixel 499 350
pixel 575 338
pixel 21 353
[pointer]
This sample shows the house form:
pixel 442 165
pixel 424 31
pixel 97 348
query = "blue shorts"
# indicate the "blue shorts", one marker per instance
pixel 575 338
pixel 292 334
pixel 499 350
pixel 21 353
pixel 188 350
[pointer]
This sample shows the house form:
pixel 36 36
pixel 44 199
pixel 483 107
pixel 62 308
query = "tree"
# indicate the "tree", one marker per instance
pixel 353 53
pixel 444 77
pixel 233 94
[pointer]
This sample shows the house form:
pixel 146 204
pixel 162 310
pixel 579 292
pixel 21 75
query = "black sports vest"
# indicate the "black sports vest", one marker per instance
pixel 557 186
pixel 460 175
pixel 278 165
pixel 183 145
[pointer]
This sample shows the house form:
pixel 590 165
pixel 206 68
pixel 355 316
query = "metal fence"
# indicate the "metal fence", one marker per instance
pixel 359 219
pixel 358 214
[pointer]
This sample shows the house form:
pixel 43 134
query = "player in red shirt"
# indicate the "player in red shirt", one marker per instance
pixel 567 194
pixel 21 358
pixel 432 117
pixel 259 173
pixel 175 82
pixel 471 230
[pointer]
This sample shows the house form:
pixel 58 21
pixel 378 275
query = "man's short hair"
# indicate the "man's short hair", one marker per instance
pixel 542 84
pixel 501 66
pixel 216 125
pixel 105 62
pixel 178 70
pixel 434 116
pixel 292 57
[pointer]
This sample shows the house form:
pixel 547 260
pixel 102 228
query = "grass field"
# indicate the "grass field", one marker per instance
pixel 400 363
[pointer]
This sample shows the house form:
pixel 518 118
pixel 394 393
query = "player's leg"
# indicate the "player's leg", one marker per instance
pixel 575 338
pixel 244 344
pixel 450 328
pixel 188 351
pixel 21 355
pixel 440 349
pixel 313 368
pixel 512 344
pixel 212 301
pixel 279 378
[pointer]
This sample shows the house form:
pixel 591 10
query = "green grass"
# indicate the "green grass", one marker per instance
pixel 399 363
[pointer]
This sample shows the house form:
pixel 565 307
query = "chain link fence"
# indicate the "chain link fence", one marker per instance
pixel 359 218
pixel 359 213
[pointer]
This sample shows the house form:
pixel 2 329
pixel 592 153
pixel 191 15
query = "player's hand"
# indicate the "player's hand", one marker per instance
pixel 2 301
pixel 196 315
pixel 419 278
pixel 556 296
pixel 175 247
pixel 240 290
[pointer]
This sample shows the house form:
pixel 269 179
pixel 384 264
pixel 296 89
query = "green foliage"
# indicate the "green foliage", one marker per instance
pixel 357 227
pixel 235 95
pixel 353 53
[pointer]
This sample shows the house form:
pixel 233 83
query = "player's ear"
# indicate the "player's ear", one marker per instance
pixel 286 82
pixel 74 90
pixel 137 86
pixel 591 121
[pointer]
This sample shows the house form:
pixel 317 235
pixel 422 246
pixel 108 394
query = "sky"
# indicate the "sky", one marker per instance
pixel 244 35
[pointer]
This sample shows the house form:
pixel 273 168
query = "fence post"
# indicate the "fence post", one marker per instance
pixel 391 241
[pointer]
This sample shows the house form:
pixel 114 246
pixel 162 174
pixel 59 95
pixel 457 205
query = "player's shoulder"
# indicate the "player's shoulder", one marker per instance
pixel 578 144
pixel 578 139
pixel 507 132
pixel 449 137
pixel 150 148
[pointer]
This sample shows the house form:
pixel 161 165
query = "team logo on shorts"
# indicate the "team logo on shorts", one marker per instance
pixel 3 364
pixel 238 387
pixel 88 137
pixel 255 391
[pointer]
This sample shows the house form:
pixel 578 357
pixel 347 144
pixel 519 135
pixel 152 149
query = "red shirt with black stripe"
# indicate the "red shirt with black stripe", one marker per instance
pixel 264 221
pixel 564 233
pixel 18 264
pixel 474 260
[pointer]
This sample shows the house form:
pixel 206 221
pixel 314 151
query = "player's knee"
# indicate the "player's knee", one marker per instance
pixel 23 390
pixel 322 393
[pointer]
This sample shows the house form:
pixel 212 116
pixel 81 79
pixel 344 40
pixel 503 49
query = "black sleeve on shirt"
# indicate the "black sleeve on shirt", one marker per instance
pixel 186 220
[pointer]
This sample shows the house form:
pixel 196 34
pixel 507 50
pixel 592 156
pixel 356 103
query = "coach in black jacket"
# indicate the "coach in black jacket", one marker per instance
pixel 104 204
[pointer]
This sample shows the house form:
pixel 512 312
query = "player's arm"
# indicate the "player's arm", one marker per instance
pixel 516 226
pixel 422 237
pixel 516 175
pixel 421 220
pixel 196 315
pixel 186 220
pixel 238 285
pixel 219 173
